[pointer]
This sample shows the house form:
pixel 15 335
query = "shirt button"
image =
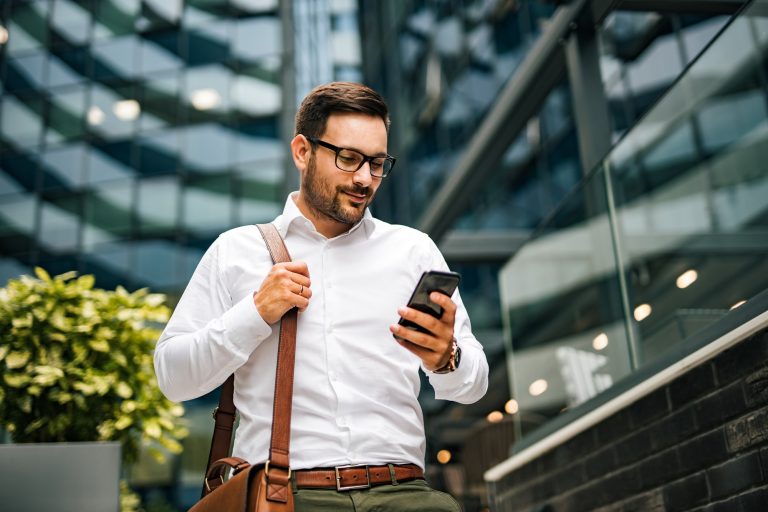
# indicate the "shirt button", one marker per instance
pixel 332 375
pixel 342 422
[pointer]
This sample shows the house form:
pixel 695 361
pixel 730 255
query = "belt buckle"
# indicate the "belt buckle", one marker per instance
pixel 366 485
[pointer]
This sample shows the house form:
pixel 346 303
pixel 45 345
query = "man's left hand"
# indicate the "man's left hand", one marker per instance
pixel 433 347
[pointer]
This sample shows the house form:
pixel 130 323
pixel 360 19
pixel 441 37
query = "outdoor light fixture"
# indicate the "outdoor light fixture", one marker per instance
pixel 3 35
pixel 538 387
pixel 444 456
pixel 642 312
pixel 205 99
pixel 126 110
pixel 687 278
pixel 738 304
pixel 495 416
pixel 95 116
pixel 511 406
pixel 600 341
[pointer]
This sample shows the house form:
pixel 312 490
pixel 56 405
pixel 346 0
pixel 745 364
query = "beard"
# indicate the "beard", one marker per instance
pixel 328 202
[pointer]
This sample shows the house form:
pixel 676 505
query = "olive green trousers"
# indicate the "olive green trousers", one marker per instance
pixel 413 496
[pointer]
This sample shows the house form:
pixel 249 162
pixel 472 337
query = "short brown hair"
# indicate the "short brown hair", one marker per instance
pixel 327 99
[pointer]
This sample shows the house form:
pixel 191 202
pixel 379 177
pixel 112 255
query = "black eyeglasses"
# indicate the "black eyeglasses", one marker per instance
pixel 349 160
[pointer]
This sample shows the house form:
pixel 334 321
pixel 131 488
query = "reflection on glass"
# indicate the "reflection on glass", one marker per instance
pixel 115 17
pixel 110 262
pixel 108 162
pixel 691 188
pixel 17 218
pixel 108 212
pixel 208 40
pixel 25 72
pixel 157 264
pixel 159 14
pixel 27 26
pixel 255 6
pixel 159 52
pixel 207 148
pixel 157 204
pixel 256 97
pixel 21 121
pixel 116 59
pixel 257 37
pixel 115 112
pixel 158 153
pixel 207 205
pixel 160 101
pixel 59 224
pixel 561 298
pixel 211 81
pixel 64 167
pixel 65 115
pixel 260 191
pixel 67 67
pixel 70 21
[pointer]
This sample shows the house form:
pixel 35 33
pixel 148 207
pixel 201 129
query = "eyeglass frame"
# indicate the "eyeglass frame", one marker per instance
pixel 366 158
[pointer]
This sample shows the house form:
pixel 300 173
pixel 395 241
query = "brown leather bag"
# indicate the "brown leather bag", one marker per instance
pixel 265 487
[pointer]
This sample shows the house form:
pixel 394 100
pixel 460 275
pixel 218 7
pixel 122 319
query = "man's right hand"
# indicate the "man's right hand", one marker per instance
pixel 285 287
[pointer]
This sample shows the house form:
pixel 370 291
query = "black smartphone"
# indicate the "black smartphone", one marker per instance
pixel 431 281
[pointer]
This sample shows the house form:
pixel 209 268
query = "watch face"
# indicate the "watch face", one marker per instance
pixel 457 357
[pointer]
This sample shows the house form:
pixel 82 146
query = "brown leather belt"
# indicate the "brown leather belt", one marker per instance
pixel 347 478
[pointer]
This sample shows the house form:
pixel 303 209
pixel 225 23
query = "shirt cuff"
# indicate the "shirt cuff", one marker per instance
pixel 244 327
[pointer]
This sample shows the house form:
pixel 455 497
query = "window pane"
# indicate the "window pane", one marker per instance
pixel 207 93
pixel 260 189
pixel 113 112
pixel 207 148
pixel 109 162
pixel 159 52
pixel 257 37
pixel 157 264
pixel 21 122
pixel 158 204
pixel 71 21
pixel 25 73
pixel 27 29
pixel 209 42
pixel 116 59
pixel 115 17
pixel 63 167
pixel 21 167
pixel 17 223
pixel 67 67
pixel 207 204
pixel 59 224
pixel 160 102
pixel 108 212
pixel 66 115
pixel 159 153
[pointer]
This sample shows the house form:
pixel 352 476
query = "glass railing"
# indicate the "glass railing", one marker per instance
pixel 661 240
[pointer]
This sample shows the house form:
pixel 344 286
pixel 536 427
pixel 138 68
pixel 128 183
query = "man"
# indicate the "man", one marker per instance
pixel 356 374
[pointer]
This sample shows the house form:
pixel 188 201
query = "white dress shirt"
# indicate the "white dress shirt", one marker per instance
pixel 355 389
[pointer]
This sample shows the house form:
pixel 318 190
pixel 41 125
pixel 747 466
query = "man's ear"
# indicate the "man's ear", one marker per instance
pixel 300 150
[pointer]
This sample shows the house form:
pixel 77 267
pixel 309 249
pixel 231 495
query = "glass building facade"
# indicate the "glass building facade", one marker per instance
pixel 133 132
pixel 563 152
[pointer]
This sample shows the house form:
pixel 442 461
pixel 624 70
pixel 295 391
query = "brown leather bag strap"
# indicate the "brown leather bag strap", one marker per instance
pixel 281 412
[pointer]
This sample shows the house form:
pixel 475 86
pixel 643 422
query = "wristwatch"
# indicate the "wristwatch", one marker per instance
pixel 453 361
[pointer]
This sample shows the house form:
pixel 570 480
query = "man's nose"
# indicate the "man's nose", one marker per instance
pixel 363 175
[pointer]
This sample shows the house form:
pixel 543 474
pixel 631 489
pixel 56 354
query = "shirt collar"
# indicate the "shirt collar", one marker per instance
pixel 292 216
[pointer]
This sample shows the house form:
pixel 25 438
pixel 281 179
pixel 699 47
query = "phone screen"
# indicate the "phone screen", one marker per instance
pixel 433 280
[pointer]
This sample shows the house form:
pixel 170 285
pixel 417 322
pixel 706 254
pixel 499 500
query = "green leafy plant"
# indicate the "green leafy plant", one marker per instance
pixel 76 365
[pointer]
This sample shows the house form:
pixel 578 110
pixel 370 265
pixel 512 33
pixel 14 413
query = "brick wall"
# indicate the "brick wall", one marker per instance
pixel 698 444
